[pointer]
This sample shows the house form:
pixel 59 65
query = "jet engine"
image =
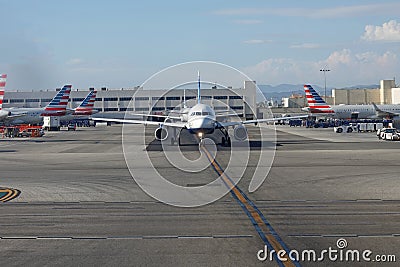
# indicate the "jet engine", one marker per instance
pixel 4 114
pixel 161 134
pixel 240 133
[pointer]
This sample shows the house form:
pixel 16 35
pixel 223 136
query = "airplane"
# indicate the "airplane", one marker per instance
pixel 199 120
pixel 318 106
pixel 84 110
pixel 56 107
pixel 3 113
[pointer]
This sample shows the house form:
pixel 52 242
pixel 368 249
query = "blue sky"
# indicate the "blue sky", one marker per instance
pixel 121 43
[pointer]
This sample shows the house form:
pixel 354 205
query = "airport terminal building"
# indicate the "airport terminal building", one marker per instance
pixel 138 100
pixel 387 93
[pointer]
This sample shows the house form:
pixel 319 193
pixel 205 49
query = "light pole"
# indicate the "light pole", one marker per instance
pixel 325 70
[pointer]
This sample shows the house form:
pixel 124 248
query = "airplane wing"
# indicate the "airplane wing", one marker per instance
pixel 155 115
pixel 234 123
pixel 381 113
pixel 221 115
pixel 13 116
pixel 169 124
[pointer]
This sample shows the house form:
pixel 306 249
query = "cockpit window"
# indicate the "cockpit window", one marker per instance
pixel 198 113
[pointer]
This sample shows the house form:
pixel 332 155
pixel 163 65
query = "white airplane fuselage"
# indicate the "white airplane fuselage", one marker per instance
pixel 362 111
pixel 80 116
pixel 25 115
pixel 201 119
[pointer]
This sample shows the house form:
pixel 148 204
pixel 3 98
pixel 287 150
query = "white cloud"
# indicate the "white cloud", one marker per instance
pixel 75 61
pixel 306 46
pixel 257 41
pixel 389 31
pixel 347 69
pixel 339 57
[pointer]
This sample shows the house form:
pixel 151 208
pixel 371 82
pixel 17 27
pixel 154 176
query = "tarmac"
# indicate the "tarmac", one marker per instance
pixel 79 205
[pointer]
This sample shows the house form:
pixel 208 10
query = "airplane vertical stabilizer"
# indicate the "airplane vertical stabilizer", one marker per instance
pixel 315 101
pixel 58 104
pixel 86 107
pixel 3 78
pixel 198 89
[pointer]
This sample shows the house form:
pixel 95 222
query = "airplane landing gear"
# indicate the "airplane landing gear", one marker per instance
pixel 226 140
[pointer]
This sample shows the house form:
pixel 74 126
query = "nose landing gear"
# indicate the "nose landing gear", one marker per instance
pixel 225 140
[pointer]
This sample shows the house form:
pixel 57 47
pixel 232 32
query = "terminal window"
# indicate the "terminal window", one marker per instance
pixel 32 100
pixel 125 98
pixel 16 100
pixel 126 109
pixel 236 107
pixel 141 98
pixel 173 98
pixel 111 99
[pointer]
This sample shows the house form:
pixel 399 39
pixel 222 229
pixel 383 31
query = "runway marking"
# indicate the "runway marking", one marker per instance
pixel 7 194
pixel 267 234
pixel 344 235
pixel 123 237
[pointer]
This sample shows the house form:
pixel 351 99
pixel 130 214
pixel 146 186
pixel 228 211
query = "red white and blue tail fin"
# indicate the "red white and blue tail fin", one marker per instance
pixel 315 101
pixel 3 78
pixel 58 105
pixel 86 107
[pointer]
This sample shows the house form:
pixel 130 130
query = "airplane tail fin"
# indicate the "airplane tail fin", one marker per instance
pixel 315 101
pixel 3 78
pixel 198 89
pixel 60 101
pixel 184 98
pixel 86 107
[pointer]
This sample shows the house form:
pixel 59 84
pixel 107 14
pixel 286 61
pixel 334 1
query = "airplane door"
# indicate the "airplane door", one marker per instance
pixel 354 116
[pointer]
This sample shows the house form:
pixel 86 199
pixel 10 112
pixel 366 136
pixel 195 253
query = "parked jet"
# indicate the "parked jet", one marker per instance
pixel 201 119
pixel 318 106
pixel 3 113
pixel 56 107
pixel 84 110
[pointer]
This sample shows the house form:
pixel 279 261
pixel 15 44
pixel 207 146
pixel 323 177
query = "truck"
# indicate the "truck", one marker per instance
pixel 346 128
pixel 51 123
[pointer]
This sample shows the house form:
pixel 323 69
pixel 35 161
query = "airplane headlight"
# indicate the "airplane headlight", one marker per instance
pixel 200 135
